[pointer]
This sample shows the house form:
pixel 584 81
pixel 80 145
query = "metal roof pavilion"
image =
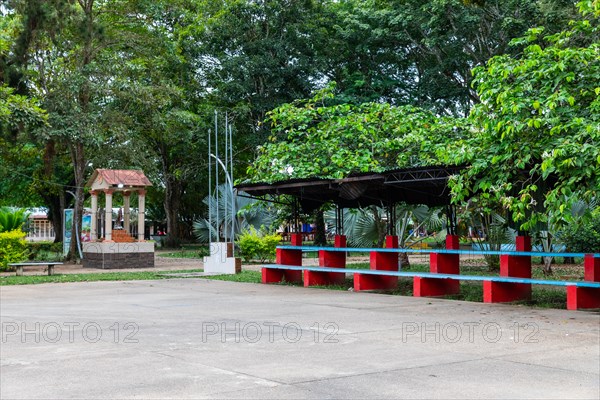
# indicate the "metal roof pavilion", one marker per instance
pixel 421 185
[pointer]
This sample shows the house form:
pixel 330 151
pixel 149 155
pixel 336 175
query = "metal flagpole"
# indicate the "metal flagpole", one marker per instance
pixel 217 173
pixel 226 202
pixel 209 192
pixel 233 216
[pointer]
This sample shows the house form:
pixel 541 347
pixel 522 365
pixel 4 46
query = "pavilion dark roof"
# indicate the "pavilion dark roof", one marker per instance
pixel 421 185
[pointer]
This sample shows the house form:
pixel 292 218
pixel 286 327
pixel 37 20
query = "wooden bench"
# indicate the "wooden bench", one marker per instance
pixel 580 294
pixel 20 266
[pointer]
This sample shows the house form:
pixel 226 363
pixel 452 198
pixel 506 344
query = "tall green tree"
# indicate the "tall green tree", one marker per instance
pixel 537 148
pixel 313 139
pixel 253 56
pixel 421 52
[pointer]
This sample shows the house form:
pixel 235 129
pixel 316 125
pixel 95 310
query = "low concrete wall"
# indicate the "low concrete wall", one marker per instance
pixel 104 255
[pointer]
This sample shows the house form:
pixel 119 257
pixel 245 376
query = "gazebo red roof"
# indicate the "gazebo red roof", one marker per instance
pixel 115 177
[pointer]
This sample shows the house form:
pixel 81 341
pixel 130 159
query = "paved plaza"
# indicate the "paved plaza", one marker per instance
pixel 196 338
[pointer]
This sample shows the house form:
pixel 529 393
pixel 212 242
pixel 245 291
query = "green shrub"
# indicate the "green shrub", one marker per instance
pixel 258 245
pixel 583 238
pixel 13 248
pixel 41 250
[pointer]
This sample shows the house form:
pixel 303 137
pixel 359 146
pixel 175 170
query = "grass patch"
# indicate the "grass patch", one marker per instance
pixel 545 297
pixel 182 254
pixel 245 276
pixel 185 253
pixel 109 276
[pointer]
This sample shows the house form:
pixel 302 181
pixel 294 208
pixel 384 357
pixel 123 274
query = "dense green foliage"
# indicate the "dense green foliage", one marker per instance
pixel 133 84
pixel 44 250
pixel 258 245
pixel 313 139
pixel 13 248
pixel 537 146
pixel 531 143
pixel 583 237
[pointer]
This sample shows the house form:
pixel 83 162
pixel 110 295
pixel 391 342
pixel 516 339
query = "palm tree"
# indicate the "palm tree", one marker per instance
pixel 493 227
pixel 11 219
pixel 367 227
pixel 248 212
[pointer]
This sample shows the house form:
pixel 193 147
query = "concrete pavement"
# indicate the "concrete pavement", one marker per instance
pixel 195 338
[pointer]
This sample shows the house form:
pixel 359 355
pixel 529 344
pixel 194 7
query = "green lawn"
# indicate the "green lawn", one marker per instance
pixel 245 276
pixel 109 276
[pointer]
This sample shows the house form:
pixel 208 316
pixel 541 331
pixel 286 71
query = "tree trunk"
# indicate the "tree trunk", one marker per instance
pixel 404 261
pixel 77 146
pixel 79 164
pixel 54 202
pixel 173 191
pixel 546 238
pixel 55 214
pixel 320 235
pixel 381 227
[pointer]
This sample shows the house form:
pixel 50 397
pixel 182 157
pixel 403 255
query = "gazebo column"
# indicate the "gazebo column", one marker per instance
pixel 94 227
pixel 126 211
pixel 141 214
pixel 108 216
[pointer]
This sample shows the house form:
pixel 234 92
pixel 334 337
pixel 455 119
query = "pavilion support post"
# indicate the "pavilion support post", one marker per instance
pixel 141 214
pixel 94 224
pixel 339 220
pixel 126 211
pixel 108 215
pixel 511 266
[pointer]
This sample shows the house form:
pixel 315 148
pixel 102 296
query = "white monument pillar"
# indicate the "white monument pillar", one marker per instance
pixel 108 216
pixel 126 211
pixel 94 227
pixel 141 214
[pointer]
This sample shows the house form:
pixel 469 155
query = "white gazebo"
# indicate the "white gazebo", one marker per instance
pixel 116 249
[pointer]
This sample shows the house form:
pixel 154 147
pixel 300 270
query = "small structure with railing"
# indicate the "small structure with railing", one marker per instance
pixel 117 248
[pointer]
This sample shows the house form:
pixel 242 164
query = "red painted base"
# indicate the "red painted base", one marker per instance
pixel 582 297
pixel 504 292
pixel 384 261
pixel 296 239
pixel 444 263
pixel 515 266
pixel 269 275
pixel 592 268
pixel 374 282
pixel 431 287
pixel 334 259
pixel 288 257
pixel 330 259
pixel 339 241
